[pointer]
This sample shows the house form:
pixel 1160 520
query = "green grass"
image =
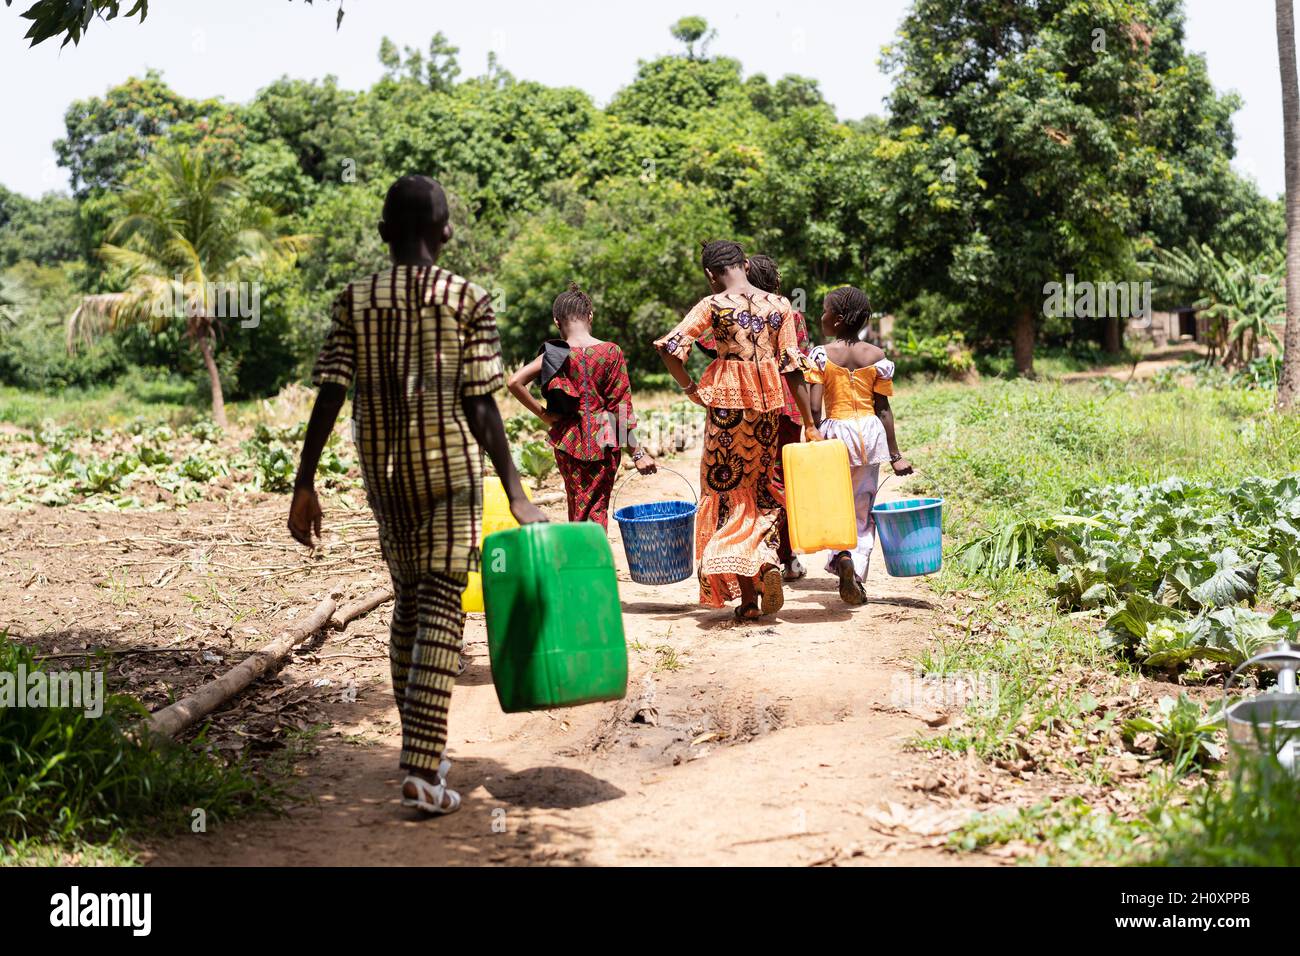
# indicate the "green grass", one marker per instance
pixel 1051 362
pixel 37 853
pixel 112 406
pixel 72 780
pixel 1252 820
pixel 667 658
pixel 1068 832
pixel 1005 449
pixel 87 408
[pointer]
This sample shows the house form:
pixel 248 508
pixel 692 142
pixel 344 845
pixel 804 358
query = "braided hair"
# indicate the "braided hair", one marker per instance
pixel 571 303
pixel 720 255
pixel 853 308
pixel 763 274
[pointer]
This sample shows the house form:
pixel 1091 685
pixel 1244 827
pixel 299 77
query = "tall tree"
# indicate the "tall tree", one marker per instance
pixel 693 30
pixel 188 227
pixel 43 230
pixel 1078 113
pixel 1288 386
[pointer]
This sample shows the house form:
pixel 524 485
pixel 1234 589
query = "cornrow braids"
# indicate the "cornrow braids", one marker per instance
pixel 571 302
pixel 854 309
pixel 720 255
pixel 762 272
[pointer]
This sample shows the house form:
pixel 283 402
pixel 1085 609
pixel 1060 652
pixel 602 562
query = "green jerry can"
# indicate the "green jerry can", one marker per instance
pixel 554 623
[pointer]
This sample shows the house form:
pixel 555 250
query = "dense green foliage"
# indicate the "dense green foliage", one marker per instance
pixel 1173 563
pixel 1105 502
pixel 1014 151
pixel 153 465
pixel 1055 138
pixel 1242 299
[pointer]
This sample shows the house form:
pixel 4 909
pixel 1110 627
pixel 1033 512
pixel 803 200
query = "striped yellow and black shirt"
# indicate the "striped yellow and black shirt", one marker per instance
pixel 416 340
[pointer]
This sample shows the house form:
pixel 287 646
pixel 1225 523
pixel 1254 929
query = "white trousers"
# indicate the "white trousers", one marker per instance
pixel 865 481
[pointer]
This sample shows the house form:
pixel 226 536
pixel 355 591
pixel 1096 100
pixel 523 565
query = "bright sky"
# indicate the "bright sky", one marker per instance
pixel 231 48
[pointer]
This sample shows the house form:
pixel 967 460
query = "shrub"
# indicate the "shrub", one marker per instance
pixel 69 777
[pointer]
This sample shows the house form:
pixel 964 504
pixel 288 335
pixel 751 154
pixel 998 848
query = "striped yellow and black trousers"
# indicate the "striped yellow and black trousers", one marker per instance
pixel 428 632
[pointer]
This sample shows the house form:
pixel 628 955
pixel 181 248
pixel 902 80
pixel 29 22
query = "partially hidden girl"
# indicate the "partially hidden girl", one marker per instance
pixel 763 273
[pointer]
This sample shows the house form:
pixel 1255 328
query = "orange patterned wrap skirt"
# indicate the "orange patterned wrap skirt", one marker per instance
pixel 737 528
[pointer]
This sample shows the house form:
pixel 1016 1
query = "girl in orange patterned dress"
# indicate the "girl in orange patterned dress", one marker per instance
pixel 588 407
pixel 736 529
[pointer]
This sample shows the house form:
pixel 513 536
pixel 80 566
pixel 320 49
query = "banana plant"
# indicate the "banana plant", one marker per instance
pixel 1243 300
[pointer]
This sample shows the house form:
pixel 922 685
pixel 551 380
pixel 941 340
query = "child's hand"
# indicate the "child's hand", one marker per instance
pixel 526 512
pixel 645 464
pixel 810 433
pixel 902 467
pixel 304 515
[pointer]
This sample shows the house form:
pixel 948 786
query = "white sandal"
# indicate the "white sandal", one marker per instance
pixel 429 796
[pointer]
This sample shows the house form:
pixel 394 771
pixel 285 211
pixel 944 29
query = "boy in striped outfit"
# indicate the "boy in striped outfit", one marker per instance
pixel 421 345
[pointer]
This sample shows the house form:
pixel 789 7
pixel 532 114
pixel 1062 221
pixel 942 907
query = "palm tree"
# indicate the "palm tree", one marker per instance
pixel 1288 385
pixel 189 237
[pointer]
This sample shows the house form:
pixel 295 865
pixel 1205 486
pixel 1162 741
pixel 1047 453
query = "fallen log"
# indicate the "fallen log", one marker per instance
pixel 350 612
pixel 174 718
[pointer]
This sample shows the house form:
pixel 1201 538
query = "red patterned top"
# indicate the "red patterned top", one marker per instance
pixel 596 375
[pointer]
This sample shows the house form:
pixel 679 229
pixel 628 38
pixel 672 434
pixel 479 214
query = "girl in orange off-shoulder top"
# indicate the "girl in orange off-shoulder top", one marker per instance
pixel 736 531
pixel 853 380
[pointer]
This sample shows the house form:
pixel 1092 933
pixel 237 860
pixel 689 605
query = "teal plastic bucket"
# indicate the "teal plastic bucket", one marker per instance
pixel 911 535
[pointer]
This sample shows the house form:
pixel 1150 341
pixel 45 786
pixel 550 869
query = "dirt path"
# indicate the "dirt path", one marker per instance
pixel 1154 361
pixel 758 744
pixel 766 743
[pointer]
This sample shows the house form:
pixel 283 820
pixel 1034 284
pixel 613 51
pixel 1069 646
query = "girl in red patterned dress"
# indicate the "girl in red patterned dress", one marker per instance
pixel 588 407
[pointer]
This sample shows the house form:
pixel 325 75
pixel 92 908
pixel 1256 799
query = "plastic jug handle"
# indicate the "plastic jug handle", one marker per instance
pixel 613 504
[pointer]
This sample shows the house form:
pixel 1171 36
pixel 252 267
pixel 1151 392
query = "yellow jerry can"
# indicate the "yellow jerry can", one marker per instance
pixel 819 496
pixel 496 517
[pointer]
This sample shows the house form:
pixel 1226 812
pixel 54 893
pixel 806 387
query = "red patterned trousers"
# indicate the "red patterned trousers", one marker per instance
pixel 588 484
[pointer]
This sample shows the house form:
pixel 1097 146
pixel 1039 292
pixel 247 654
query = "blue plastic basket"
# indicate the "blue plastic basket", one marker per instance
pixel 910 535
pixel 659 538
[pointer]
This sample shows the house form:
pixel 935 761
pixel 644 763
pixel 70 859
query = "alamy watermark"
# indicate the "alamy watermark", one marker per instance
pixel 956 691
pixel 1097 300
pixel 213 300
pixel 78 690
pixel 75 908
